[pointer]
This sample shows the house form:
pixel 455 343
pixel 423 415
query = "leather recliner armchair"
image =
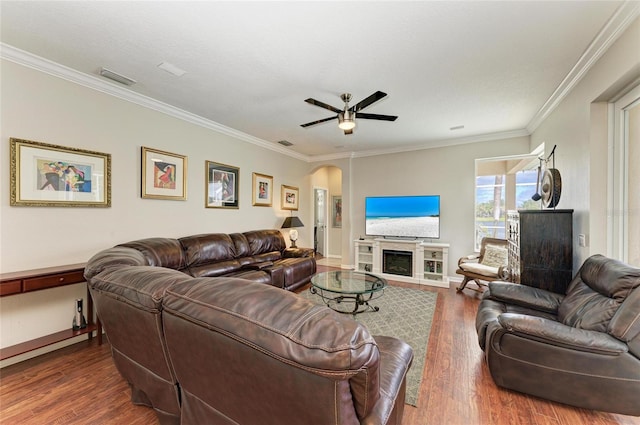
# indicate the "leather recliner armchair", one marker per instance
pixel 581 349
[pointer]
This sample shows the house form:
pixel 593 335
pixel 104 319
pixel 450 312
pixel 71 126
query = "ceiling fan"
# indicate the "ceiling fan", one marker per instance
pixel 347 116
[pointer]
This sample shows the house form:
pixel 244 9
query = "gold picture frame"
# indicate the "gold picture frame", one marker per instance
pixel 221 186
pixel 164 175
pixel 262 190
pixel 289 197
pixel 46 175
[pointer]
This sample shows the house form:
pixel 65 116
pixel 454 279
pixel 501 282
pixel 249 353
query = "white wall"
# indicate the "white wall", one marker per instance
pixel 39 107
pixel 448 172
pixel 578 127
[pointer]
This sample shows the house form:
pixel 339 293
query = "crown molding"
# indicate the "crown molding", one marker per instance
pixel 46 66
pixel 443 143
pixel 617 24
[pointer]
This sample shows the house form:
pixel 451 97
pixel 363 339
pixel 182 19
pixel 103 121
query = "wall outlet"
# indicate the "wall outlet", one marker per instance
pixel 582 240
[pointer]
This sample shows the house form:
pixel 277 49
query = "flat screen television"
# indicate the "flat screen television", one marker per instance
pixel 403 216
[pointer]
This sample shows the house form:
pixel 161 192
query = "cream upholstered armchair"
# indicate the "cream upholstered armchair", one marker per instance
pixel 488 265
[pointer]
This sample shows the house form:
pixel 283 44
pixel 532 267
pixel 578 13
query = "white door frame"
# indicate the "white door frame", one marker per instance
pixel 325 241
pixel 618 216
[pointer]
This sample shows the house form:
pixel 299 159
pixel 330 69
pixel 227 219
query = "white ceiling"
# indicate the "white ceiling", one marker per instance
pixel 495 67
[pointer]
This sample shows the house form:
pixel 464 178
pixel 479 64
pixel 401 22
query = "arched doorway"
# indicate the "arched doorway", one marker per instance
pixel 326 182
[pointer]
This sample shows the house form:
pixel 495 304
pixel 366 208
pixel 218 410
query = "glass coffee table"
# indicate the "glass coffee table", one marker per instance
pixel 340 289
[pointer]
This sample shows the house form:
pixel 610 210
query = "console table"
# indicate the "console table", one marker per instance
pixel 15 283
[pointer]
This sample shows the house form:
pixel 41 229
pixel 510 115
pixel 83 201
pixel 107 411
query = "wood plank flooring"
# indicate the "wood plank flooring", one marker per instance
pixel 80 385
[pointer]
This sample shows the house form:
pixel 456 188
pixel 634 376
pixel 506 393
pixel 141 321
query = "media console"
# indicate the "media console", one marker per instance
pixel 412 261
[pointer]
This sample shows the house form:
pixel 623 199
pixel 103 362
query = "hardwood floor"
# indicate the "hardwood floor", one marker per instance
pixel 80 385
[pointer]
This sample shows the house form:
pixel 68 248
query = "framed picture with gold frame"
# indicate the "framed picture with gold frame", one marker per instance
pixel 45 175
pixel 262 190
pixel 289 198
pixel 164 175
pixel 222 185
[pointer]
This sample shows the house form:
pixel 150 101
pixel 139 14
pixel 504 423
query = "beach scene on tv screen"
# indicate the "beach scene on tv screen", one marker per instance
pixel 403 216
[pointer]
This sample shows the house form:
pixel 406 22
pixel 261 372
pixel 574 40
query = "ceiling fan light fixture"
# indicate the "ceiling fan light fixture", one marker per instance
pixel 346 120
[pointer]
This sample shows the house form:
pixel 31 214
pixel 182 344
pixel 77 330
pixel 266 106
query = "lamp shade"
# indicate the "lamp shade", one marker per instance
pixel 292 222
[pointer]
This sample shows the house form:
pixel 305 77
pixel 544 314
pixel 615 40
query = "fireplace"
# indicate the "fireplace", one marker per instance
pixel 397 262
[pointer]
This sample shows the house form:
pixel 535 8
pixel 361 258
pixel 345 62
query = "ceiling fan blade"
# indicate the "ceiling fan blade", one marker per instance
pixel 376 116
pixel 368 101
pixel 322 105
pixel 348 132
pixel 318 121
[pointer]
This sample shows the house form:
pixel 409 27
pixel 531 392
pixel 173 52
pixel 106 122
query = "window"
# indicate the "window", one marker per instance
pixel 624 198
pixel 503 184
pixel 526 187
pixel 490 211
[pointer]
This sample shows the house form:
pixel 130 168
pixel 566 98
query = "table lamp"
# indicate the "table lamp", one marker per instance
pixel 290 223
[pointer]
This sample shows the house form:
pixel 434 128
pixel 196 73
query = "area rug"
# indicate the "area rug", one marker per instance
pixel 406 314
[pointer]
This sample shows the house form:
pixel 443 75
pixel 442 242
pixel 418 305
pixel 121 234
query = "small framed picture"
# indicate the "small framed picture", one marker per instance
pixel 289 198
pixel 164 175
pixel 336 211
pixel 262 190
pixel 222 185
pixel 44 175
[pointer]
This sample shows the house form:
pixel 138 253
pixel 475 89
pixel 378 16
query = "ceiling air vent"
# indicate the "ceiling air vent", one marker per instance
pixel 107 73
pixel 285 143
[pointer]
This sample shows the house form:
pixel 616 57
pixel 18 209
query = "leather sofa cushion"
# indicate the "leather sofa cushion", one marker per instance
pixel 490 310
pixel 113 257
pixel 257 276
pixel 140 286
pixel 241 244
pixel 267 256
pixel 525 296
pixel 208 248
pixel 160 252
pixel 595 294
pixel 296 269
pixel 221 268
pixel 625 325
pixel 246 261
pixel 262 241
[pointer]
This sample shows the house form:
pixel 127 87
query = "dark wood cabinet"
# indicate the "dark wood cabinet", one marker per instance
pixel 541 248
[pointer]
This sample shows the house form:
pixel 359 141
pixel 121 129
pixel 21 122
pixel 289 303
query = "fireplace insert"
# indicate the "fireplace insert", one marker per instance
pixel 397 262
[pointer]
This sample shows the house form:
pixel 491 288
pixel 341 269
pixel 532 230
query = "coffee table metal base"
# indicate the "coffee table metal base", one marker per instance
pixel 360 301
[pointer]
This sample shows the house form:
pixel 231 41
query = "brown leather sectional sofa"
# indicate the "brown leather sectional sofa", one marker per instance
pixel 203 332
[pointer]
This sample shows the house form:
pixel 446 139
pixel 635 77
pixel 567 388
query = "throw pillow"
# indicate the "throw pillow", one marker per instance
pixel 494 256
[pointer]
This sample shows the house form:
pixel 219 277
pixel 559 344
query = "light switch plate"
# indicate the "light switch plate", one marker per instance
pixel 582 240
